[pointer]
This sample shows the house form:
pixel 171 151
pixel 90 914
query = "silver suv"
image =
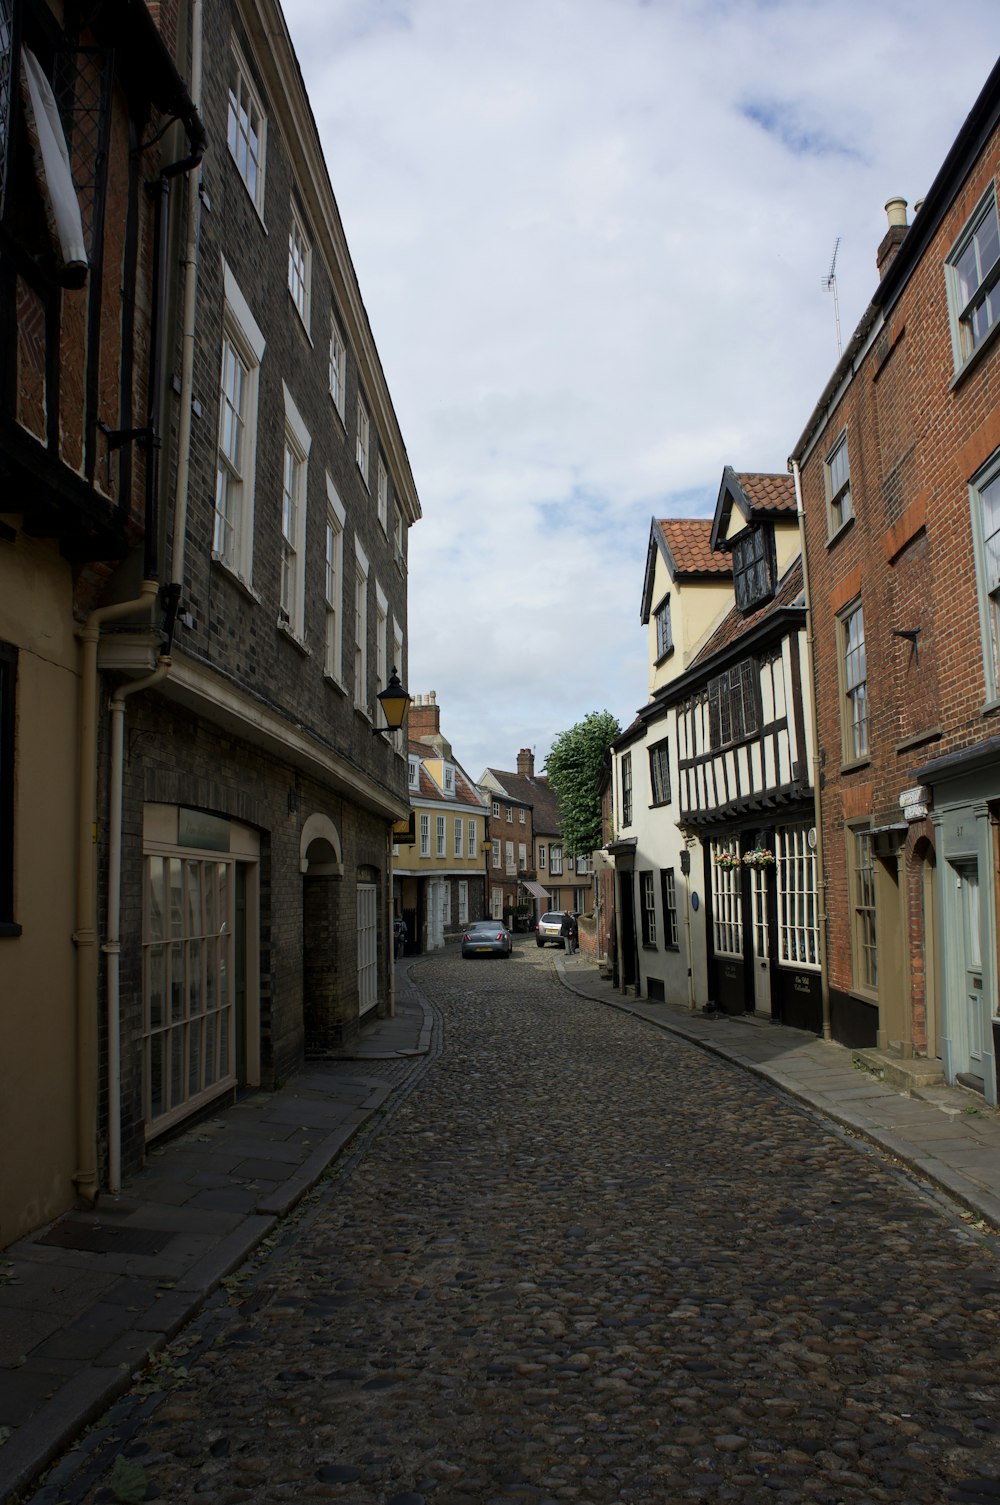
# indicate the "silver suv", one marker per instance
pixel 549 927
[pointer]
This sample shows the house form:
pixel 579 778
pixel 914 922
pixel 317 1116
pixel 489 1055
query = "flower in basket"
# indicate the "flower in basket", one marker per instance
pixel 727 859
pixel 759 857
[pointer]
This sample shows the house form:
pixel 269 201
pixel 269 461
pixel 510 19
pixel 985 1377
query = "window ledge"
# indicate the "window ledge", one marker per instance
pixel 977 355
pixel 650 946
pixel 844 528
pixel 249 192
pixel 919 739
pixel 335 683
pixel 237 579
pixel 990 707
pixel 9 930
pixel 664 656
pixel 287 631
pixel 855 764
pixel 303 323
pixel 364 713
pixel 660 804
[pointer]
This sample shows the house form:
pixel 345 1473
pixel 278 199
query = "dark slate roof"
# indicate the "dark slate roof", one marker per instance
pixel 535 792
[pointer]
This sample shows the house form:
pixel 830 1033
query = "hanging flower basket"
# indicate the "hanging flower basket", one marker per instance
pixel 759 857
pixel 728 860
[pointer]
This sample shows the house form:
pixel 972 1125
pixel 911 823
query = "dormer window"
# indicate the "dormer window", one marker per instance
pixel 449 779
pixel 414 773
pixel 753 567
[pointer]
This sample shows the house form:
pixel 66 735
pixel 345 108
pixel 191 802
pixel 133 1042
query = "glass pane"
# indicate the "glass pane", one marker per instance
pixel 177 980
pixel 176 1091
pixel 157 985
pixel 195 989
pixel 156 921
pixel 176 897
pixel 156 1103
pixel 194 1059
pixel 988 242
pixel 211 1042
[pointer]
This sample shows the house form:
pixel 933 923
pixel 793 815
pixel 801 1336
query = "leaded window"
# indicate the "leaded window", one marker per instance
pixel 659 772
pixel 753 567
pixel 732 704
pixel 798 917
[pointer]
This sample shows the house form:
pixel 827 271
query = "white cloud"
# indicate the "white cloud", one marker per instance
pixel 592 237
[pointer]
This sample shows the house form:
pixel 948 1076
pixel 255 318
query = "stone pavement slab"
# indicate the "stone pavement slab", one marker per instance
pixel 84 1301
pixel 946 1135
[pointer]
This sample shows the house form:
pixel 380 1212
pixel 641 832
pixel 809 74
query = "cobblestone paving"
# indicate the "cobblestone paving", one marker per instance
pixel 582 1261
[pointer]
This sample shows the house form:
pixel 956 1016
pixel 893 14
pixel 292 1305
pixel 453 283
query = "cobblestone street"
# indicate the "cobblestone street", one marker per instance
pixel 579 1260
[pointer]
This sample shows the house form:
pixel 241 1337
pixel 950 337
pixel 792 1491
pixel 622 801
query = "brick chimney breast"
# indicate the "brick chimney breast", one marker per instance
pixel 526 763
pixel 895 211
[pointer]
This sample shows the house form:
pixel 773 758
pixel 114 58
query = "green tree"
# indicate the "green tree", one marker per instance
pixel 573 768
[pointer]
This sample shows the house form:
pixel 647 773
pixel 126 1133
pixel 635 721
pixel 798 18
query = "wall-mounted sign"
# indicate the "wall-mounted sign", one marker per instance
pixel 695 901
pixel 918 796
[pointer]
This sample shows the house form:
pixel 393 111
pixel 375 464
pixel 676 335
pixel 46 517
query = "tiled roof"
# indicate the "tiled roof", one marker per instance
pixel 735 624
pixel 689 542
pixel 768 493
pixel 466 792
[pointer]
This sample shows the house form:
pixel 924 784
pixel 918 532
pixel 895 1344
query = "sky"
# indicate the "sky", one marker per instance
pixel 594 239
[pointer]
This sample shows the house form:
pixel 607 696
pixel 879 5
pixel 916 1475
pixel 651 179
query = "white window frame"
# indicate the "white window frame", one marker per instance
pixel 555 860
pixel 647 907
pixel 520 815
pixel 837 479
pixel 853 668
pixel 333 584
pixel 668 890
pixel 966 302
pixel 458 836
pixel 727 901
pixel 338 367
pixel 471 838
pixel 240 132
pixel 381 639
pixel 362 442
pixel 398 539
pixel 863 911
pixel 541 857
pixel 298 443
pixel 508 853
pixel 382 494
pixel 440 835
pixel 425 836
pixel 496 809
pixel 984 500
pixel 522 857
pixel 414 772
pixel 361 572
pixel 232 541
pixel 463 901
pixel 299 267
pixel 495 853
pixel 798 906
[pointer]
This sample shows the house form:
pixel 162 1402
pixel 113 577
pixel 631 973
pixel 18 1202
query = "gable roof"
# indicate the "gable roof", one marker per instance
pixel 685 545
pixel 757 496
pixel 466 792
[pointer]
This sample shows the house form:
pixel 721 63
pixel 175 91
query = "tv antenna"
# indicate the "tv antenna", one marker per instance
pixel 830 283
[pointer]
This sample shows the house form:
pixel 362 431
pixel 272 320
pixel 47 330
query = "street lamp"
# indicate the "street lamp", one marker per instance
pixel 394 701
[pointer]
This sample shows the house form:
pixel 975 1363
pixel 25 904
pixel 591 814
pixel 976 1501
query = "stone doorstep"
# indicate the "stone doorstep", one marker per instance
pixel 903 1074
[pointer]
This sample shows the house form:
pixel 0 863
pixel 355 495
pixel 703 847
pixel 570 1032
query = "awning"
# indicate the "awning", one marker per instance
pixel 535 889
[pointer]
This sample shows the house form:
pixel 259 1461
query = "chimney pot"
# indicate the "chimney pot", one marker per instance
pixel 896 212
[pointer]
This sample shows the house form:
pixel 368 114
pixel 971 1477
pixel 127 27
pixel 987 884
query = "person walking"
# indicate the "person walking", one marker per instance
pixel 568 932
pixel 399 934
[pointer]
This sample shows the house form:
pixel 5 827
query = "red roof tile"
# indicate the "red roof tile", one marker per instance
pixel 689 542
pixel 768 493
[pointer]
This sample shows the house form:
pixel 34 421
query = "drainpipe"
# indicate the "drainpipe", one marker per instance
pixel 112 946
pixel 190 264
pixel 85 934
pixel 824 978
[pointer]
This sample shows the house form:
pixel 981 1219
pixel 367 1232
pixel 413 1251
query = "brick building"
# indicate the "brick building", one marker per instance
pixel 245 796
pixel 549 879
pixel 899 468
pixel 439 877
pixel 81 210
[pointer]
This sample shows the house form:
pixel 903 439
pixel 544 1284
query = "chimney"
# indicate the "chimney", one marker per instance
pixel 895 211
pixel 424 719
pixel 526 763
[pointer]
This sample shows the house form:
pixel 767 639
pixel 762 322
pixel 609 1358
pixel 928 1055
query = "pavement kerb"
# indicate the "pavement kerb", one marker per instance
pixel 925 1167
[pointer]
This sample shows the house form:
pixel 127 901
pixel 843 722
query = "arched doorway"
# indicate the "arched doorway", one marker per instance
pixel 322 868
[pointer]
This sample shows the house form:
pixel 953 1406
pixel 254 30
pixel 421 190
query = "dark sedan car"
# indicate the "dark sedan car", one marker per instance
pixel 487 938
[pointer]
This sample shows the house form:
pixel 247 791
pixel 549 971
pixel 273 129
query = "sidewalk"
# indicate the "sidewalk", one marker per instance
pixel 86 1299
pixel 945 1135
